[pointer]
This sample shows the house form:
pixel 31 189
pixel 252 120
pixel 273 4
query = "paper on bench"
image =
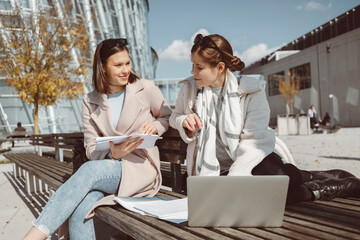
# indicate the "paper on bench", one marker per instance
pixel 175 209
pixel 102 143
pixel 159 207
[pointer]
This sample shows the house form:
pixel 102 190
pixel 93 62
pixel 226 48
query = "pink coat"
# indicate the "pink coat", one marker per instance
pixel 140 169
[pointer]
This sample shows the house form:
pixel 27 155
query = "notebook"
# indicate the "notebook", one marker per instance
pixel 236 201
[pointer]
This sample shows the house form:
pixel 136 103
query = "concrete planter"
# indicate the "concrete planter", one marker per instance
pixel 293 124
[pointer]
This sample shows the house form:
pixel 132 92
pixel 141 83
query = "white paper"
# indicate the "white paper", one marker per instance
pixel 164 209
pixel 102 143
pixel 160 207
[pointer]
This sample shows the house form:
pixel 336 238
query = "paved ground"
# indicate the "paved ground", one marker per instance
pixel 312 152
pixel 327 151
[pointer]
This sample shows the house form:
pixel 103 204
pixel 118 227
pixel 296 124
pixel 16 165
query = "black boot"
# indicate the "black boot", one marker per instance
pixel 329 174
pixel 332 188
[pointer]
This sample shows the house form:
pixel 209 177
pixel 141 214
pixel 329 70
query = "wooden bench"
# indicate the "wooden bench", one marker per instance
pixel 70 147
pixel 63 144
pixel 338 219
pixel 39 172
pixel 172 158
pixel 15 136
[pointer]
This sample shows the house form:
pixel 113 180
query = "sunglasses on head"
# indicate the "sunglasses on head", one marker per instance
pixel 206 42
pixel 112 42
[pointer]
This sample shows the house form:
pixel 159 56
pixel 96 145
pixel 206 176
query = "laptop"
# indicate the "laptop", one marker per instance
pixel 236 201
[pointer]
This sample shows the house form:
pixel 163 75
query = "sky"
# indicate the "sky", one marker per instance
pixel 254 28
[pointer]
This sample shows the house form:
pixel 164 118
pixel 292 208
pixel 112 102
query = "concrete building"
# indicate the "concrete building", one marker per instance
pixel 327 61
pixel 104 19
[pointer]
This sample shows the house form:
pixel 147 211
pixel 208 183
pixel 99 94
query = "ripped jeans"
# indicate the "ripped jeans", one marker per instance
pixel 77 195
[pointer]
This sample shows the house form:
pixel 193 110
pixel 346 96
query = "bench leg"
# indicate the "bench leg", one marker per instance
pixel 38 150
pixel 176 183
pixel 29 183
pixel 17 171
pixel 41 187
pixel 51 192
pixel 38 185
pixel 46 188
pixel 59 154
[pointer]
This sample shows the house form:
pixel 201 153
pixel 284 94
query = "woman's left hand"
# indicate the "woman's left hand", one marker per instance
pixel 148 128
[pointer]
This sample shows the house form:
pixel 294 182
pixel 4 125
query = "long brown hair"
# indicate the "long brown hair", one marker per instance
pixel 103 51
pixel 211 54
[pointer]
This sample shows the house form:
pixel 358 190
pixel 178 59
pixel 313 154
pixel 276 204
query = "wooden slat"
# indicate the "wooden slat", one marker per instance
pixel 52 170
pixel 41 163
pixel 45 178
pixel 258 233
pixel 341 205
pixel 47 161
pixel 349 201
pixel 319 227
pixel 293 211
pixel 290 234
pixel 37 169
pixel 236 234
pixel 333 213
pixel 151 228
pixel 172 229
pixel 127 224
pixel 207 233
pixel 67 154
pixel 167 166
pixel 15 139
pixel 309 231
pixel 170 194
pixel 170 158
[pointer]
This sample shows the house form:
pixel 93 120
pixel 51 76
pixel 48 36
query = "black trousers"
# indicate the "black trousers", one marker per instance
pixel 313 121
pixel 297 191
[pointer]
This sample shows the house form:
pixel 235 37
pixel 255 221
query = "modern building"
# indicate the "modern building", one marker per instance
pixel 170 89
pixel 327 61
pixel 104 19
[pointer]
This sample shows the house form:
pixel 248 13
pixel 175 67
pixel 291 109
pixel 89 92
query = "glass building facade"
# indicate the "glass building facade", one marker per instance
pixel 170 89
pixel 103 19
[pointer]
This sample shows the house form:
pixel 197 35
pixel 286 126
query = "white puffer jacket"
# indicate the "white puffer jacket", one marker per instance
pixel 257 139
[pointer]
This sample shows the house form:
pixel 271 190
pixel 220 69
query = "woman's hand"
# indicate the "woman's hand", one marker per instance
pixel 148 128
pixel 122 149
pixel 191 123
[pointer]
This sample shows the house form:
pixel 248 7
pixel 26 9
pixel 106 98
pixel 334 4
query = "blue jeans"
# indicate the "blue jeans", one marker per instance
pixel 77 195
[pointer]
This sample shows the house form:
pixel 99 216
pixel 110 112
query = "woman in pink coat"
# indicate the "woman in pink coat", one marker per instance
pixel 121 104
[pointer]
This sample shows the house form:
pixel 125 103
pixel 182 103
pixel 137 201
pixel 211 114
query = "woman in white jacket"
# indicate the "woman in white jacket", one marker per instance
pixel 225 123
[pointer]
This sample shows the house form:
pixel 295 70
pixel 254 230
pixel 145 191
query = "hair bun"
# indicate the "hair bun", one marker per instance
pixel 237 64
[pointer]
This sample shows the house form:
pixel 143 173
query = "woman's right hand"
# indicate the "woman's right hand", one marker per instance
pixel 122 149
pixel 191 123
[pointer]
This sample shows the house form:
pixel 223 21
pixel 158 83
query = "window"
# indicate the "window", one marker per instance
pixel 11 21
pixel 273 82
pixel 304 73
pixel 5 5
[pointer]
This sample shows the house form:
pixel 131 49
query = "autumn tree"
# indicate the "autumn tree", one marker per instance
pixel 38 50
pixel 289 88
